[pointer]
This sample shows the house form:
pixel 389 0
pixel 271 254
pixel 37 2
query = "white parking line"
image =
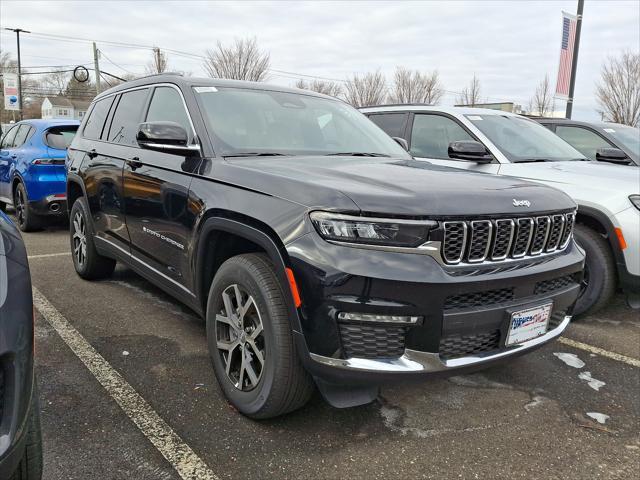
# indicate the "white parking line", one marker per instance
pixel 634 362
pixel 47 255
pixel 180 455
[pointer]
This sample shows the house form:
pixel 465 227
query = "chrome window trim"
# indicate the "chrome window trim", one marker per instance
pixel 511 235
pixel 486 250
pixel 464 241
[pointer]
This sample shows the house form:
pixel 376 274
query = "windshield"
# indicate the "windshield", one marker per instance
pixel 521 139
pixel 60 137
pixel 272 122
pixel 627 136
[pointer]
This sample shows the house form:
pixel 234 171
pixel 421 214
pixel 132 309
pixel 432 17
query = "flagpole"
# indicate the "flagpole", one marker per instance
pixel 574 61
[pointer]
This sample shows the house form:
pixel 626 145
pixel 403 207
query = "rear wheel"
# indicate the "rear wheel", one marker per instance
pixel 599 282
pixel 27 220
pixel 30 467
pixel 89 264
pixel 250 340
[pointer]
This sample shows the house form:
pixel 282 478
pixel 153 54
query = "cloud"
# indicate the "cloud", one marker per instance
pixel 509 45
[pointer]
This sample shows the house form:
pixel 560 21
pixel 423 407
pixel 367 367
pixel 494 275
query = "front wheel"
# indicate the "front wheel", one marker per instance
pixel 27 220
pixel 89 264
pixel 250 340
pixel 599 282
pixel 30 467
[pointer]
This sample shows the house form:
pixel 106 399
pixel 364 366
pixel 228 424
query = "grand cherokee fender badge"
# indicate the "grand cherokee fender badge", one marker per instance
pixel 162 237
pixel 521 203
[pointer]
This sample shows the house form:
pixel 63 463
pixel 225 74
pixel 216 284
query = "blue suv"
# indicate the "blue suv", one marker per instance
pixel 32 170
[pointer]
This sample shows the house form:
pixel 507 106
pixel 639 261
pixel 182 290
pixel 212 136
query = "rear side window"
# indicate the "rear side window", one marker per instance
pixel 60 137
pixel 22 135
pixel 432 134
pixel 95 121
pixel 583 140
pixel 392 123
pixel 167 106
pixel 7 141
pixel 127 117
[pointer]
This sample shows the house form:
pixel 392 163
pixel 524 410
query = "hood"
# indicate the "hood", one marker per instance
pixel 389 186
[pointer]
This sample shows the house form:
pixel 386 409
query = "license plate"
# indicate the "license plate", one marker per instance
pixel 528 324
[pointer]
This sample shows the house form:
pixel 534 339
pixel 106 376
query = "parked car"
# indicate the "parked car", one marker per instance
pixel 20 436
pixel 606 142
pixel 32 171
pixel 316 248
pixel 608 220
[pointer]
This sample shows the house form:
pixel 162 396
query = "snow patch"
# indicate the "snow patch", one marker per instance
pixel 570 359
pixel 601 418
pixel 593 382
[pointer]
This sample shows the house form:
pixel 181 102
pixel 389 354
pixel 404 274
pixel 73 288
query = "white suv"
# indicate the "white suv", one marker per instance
pixel 492 141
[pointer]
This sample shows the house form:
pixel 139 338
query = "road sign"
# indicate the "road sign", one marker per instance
pixel 11 98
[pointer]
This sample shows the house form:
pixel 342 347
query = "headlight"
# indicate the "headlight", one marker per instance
pixel 635 199
pixel 371 231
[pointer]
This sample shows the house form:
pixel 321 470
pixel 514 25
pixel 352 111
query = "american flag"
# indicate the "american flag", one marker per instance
pixel 566 53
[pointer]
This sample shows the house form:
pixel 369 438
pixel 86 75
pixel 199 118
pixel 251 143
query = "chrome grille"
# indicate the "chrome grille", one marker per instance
pixel 476 241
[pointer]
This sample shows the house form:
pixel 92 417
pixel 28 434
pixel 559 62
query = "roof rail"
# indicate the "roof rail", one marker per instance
pixel 179 74
pixel 399 105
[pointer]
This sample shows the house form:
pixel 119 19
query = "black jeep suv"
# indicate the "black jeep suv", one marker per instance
pixel 317 249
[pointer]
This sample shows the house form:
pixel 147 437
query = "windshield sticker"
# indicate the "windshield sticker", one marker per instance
pixel 205 89
pixel 473 118
pixel 609 130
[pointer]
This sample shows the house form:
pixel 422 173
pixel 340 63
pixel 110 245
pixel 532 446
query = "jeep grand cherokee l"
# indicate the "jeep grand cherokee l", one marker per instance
pixel 318 251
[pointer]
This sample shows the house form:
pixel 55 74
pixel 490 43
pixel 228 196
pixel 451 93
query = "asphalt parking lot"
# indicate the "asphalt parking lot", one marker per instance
pixel 569 410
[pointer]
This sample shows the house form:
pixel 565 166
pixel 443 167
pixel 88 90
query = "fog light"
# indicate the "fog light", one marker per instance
pixel 369 317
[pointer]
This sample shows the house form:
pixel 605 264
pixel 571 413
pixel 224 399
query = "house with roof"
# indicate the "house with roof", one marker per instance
pixel 63 107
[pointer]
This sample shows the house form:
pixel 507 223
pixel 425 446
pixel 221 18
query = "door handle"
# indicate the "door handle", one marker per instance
pixel 92 153
pixel 134 163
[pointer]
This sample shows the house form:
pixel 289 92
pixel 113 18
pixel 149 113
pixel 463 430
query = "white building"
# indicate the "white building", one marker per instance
pixel 62 107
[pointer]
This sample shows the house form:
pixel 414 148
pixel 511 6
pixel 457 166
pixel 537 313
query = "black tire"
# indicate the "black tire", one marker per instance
pixel 3 207
pixel 283 384
pixel 27 220
pixel 599 282
pixel 89 264
pixel 30 467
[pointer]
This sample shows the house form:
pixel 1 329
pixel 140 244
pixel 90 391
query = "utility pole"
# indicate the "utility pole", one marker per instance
pixel 96 67
pixel 574 62
pixel 18 30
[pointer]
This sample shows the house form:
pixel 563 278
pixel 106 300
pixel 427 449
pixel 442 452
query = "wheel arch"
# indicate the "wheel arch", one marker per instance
pixel 75 190
pixel 223 234
pixel 598 221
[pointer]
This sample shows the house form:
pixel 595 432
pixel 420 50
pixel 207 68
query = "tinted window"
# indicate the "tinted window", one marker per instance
pixel 7 141
pixel 392 123
pixel 96 119
pixel 167 106
pixel 60 137
pixel 432 134
pixel 21 136
pixel 628 136
pixel 583 140
pixel 127 117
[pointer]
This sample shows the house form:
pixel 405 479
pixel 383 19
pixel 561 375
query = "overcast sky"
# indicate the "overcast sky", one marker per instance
pixel 510 45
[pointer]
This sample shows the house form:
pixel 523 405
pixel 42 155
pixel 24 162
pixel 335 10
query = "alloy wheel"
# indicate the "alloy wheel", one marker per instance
pixel 20 206
pixel 240 338
pixel 79 239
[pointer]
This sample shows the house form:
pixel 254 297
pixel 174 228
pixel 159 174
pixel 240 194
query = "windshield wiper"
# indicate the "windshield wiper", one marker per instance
pixel 531 160
pixel 256 154
pixel 356 154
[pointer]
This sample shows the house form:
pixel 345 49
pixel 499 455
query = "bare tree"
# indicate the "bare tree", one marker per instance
pixel 241 61
pixel 470 95
pixel 159 62
pixel 332 89
pixel 366 90
pixel 411 86
pixel 618 92
pixel 541 103
pixel 56 82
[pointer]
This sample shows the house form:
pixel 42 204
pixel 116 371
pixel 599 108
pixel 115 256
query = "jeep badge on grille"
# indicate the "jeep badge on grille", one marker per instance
pixel 521 203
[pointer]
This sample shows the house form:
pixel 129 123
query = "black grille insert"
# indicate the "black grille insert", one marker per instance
pixel 503 239
pixel 455 238
pixel 454 346
pixel 480 240
pixel 548 286
pixel 478 299
pixel 372 341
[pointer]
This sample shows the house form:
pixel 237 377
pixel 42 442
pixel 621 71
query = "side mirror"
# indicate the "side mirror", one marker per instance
pixel 469 150
pixel 613 155
pixel 402 142
pixel 168 137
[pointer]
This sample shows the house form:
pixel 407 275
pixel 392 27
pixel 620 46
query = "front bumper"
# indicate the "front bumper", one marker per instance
pixel 464 312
